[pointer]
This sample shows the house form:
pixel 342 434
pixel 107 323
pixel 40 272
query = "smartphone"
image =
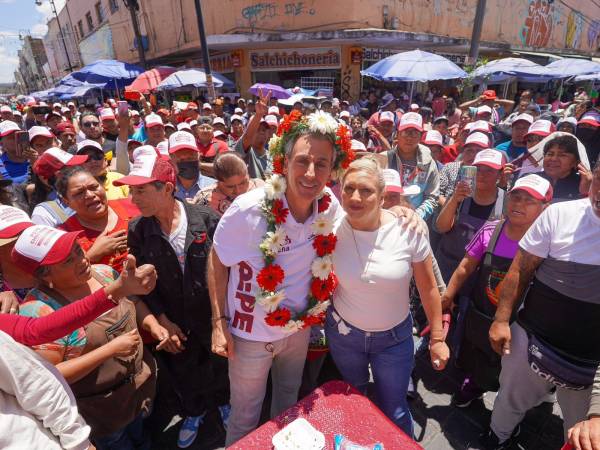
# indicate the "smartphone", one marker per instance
pixel 22 142
pixel 123 108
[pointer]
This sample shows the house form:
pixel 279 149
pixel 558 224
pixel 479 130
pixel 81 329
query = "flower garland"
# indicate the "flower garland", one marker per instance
pixel 323 280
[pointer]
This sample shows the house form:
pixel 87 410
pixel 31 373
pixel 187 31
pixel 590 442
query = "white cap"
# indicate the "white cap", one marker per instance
pixel 16 112
pixel 525 117
pixel 193 123
pixel 218 120
pixel 491 158
pixel 107 114
pixel 236 117
pixel 344 114
pixel 7 127
pixel 433 137
pixel 181 140
pixel 134 112
pixel 273 110
pixel 485 109
pixel 207 106
pixel 153 120
pixel 88 143
pixel 12 222
pixel 64 109
pixel 358 146
pixel 170 125
pixel 218 133
pixel 238 111
pixel 5 108
pixel 394 184
pixel 414 107
pixel 163 147
pixel 541 127
pixel 536 186
pixel 386 116
pixel 183 126
pixel 39 131
pixel 411 120
pixel 57 105
pixel 271 120
pixel 71 104
pixel 478 139
pixel 144 150
pixel 479 125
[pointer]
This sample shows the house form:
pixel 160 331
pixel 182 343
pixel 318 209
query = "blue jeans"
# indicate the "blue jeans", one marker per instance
pixel 131 437
pixel 390 354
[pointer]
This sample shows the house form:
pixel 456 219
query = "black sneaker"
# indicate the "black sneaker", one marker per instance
pixel 489 441
pixel 468 392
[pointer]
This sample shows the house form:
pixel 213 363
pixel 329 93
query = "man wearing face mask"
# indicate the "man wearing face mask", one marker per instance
pixel 186 156
pixel 588 132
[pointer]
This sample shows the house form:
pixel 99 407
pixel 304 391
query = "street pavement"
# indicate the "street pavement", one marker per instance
pixel 438 424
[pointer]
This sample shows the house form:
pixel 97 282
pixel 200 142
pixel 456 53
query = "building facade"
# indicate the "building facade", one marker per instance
pixel 30 74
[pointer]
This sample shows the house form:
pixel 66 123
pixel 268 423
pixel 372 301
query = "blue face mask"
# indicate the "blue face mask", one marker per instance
pixel 188 170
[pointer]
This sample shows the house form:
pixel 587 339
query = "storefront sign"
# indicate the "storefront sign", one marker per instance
pixel 295 59
pixel 373 54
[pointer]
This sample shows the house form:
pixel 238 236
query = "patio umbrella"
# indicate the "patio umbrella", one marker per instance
pixel 588 77
pixel 521 68
pixel 415 65
pixel 149 80
pixel 276 91
pixel 193 78
pixel 109 71
pixel 568 67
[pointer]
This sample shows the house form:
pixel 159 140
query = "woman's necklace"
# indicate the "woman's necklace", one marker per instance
pixel 364 277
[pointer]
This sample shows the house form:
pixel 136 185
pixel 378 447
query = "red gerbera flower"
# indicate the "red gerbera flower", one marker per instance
pixel 279 211
pixel 279 317
pixel 278 165
pixel 313 320
pixel 324 203
pixel 270 276
pixel 324 245
pixel 322 289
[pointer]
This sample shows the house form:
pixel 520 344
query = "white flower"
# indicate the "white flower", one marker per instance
pixel 273 241
pixel 275 187
pixel 321 267
pixel 322 225
pixel 322 122
pixel 318 308
pixel 270 300
pixel 273 144
pixel 293 325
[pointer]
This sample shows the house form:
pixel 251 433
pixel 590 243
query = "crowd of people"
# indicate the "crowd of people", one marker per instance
pixel 193 255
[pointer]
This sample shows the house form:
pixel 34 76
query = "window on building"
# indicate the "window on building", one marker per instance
pixel 90 21
pixel 99 12
pixel 114 6
pixel 80 28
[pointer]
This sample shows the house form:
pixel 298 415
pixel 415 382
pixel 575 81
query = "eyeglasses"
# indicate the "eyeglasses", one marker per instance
pixel 90 124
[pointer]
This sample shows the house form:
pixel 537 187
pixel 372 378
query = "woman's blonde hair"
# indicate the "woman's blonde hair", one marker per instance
pixel 368 165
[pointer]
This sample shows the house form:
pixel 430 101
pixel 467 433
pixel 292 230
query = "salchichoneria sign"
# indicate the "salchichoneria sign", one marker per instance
pixel 295 59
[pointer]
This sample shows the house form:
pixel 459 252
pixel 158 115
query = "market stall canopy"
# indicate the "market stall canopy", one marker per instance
pixel 149 80
pixel 569 67
pixel 520 68
pixel 276 91
pixel 41 95
pixel 415 65
pixel 78 91
pixel 588 77
pixel 192 78
pixel 109 71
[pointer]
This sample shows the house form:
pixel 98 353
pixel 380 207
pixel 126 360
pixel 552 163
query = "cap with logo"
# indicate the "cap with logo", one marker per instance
pixel 107 114
pixel 536 186
pixel 393 183
pixel 153 120
pixel 411 120
pixel 271 120
pixel 147 169
pixel 39 131
pixel 217 120
pixel 163 148
pixel 433 137
pixel 40 245
pixel 523 117
pixel 87 144
pixel 542 128
pixel 7 127
pixel 479 139
pixel 491 158
pixel 145 150
pixel 485 109
pixel 54 159
pixel 479 125
pixel 590 118
pixel 12 222
pixel 386 116
pixel 181 140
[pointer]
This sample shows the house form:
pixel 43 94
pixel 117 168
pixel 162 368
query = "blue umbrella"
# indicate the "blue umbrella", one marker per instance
pixel 568 67
pixel 415 65
pixel 109 71
pixel 588 77
pixel 192 78
pixel 518 67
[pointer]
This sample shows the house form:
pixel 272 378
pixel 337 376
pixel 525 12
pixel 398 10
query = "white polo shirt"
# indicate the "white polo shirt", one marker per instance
pixel 236 240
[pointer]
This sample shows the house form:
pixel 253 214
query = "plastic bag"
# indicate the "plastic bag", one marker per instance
pixel 343 443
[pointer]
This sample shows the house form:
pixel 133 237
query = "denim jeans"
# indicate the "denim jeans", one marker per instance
pixel 131 437
pixel 390 355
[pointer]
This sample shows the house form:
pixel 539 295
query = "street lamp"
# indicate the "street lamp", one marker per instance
pixel 62 36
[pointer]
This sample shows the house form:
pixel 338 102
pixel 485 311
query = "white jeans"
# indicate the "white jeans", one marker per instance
pixel 248 373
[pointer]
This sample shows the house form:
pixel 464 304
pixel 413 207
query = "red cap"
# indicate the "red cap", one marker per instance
pixel 411 120
pixel 64 127
pixel 491 158
pixel 147 169
pixel 536 186
pixel 54 159
pixel 7 127
pixel 40 245
pixel 541 127
pixel 12 222
pixel 490 94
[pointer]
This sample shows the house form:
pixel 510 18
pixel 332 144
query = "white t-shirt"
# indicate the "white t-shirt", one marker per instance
pixel 177 237
pixel 236 241
pixel 373 289
pixel 566 231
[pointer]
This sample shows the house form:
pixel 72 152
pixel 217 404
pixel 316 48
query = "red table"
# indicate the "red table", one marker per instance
pixel 334 408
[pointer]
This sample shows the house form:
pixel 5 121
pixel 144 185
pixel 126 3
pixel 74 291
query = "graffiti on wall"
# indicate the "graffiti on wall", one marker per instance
pixel 538 25
pixel 574 30
pixel 593 34
pixel 259 12
pixel 346 83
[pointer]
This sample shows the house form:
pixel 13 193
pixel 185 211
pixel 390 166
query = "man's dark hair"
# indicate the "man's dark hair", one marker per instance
pixel 86 114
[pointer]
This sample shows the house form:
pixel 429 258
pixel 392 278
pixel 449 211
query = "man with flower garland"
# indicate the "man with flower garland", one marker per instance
pixel 271 282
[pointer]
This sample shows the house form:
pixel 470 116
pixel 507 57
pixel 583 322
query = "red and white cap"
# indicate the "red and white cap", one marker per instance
pixel 207 106
pixel 358 146
pixel 479 125
pixel 485 109
pixel 7 127
pixel 590 118
pixel 145 150
pixel 386 116
pixel 433 137
pixel 239 111
pixel 414 107
pixel 5 109
pixel 394 184
pixel 478 139
pixel 411 120
pixel 163 148
pixel 271 120
pixel 40 245
pixel 542 128
pixel 193 123
pixel 236 117
pixel 273 110
pixel 147 169
pixel 134 112
pixel 219 134
pixel 536 186
pixel 153 120
pixel 39 131
pixel 491 158
pixel 56 105
pixel 54 159
pixel 217 120
pixel 107 114
pixel 65 110
pixel 71 104
pixel 344 114
pixel 183 126
pixel 181 140
pixel 523 117
pixel 86 143
pixel 170 125
pixel 12 222
pixel 53 113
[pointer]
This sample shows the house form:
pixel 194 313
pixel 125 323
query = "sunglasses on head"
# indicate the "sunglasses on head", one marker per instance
pixel 90 124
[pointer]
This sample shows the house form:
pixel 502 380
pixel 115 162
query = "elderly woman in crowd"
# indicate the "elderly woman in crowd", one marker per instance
pixel 111 376
pixel 231 173
pixel 103 223
pixel 369 322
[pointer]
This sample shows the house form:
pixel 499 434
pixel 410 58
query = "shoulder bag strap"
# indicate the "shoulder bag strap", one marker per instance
pixel 492 244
